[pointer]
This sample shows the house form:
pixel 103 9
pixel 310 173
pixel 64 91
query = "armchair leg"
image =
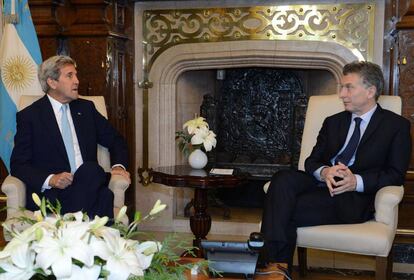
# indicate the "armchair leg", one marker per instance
pixel 384 267
pixel 302 261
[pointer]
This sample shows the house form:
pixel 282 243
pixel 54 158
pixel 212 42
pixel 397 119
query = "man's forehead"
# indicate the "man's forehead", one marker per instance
pixel 350 78
pixel 68 68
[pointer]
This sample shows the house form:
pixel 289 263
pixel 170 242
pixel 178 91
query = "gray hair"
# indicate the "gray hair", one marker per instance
pixel 50 68
pixel 370 73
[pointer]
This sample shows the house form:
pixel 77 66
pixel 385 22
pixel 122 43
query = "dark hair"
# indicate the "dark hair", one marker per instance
pixel 50 68
pixel 370 73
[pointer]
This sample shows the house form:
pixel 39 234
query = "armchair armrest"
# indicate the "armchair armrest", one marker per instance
pixel 118 185
pixel 15 191
pixel 386 205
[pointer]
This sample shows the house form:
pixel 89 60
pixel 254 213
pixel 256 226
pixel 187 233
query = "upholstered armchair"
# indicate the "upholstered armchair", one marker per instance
pixel 15 189
pixel 374 237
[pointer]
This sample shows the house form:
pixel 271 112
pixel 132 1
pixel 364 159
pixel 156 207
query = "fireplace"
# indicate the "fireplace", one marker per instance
pixel 180 57
pixel 258 116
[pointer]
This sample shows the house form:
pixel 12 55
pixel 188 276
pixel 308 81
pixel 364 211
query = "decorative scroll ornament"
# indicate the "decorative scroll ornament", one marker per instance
pixel 350 25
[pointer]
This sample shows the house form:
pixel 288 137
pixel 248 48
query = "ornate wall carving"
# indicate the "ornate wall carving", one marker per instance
pixel 259 123
pixel 345 24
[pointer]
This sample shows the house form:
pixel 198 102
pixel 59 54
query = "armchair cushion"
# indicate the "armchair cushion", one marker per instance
pixel 369 238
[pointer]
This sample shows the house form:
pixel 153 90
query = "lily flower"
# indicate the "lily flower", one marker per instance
pixel 84 273
pixel 206 137
pixel 57 250
pixel 158 207
pixel 121 214
pixel 119 253
pixel 145 251
pixel 210 141
pixel 194 124
pixel 199 136
pixel 36 199
pixel 20 267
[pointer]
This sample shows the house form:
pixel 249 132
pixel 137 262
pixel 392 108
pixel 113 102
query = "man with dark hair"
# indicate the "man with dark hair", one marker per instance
pixel 358 151
pixel 55 147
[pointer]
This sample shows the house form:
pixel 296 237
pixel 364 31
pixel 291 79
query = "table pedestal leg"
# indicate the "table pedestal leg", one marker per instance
pixel 200 222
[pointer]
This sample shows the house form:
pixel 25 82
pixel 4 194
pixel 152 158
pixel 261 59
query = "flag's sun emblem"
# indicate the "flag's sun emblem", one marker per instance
pixel 18 73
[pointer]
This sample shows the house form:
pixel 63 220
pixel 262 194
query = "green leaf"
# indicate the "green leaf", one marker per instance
pixel 137 216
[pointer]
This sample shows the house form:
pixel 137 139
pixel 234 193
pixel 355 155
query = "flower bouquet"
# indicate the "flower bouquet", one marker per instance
pixel 196 136
pixel 72 246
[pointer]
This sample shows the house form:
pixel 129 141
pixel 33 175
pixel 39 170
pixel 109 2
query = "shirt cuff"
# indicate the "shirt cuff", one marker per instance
pixel 317 173
pixel 360 183
pixel 118 165
pixel 46 183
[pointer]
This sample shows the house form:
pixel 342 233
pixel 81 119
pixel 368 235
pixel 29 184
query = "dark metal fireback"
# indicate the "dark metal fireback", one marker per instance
pixel 258 115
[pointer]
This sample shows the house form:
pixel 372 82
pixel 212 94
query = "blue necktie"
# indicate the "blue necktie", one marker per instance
pixel 352 145
pixel 67 137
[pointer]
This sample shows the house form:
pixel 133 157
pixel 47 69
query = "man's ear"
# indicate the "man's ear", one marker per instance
pixel 371 91
pixel 52 83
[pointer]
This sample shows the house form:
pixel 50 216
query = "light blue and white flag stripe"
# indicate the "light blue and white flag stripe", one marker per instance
pixel 19 58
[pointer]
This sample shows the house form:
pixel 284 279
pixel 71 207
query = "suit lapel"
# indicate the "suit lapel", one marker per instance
pixel 342 132
pixel 373 125
pixel 49 119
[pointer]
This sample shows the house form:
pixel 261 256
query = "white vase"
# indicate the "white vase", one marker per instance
pixel 197 159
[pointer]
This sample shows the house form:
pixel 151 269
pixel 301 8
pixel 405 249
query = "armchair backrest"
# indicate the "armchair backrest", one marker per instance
pixel 322 106
pixel 99 102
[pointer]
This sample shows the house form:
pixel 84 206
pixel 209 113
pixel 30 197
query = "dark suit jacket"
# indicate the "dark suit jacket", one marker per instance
pixel 381 159
pixel 39 149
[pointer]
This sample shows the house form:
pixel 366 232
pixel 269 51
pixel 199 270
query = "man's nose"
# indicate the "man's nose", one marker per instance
pixel 342 92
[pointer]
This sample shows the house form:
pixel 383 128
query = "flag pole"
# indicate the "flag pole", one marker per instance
pixel 13 17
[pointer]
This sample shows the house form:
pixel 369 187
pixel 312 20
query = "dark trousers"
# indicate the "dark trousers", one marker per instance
pixel 89 192
pixel 296 199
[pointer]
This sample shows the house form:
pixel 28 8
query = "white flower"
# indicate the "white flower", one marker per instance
pixel 158 207
pixel 210 141
pixel 36 199
pixel 57 250
pixel 206 137
pixel 119 253
pixel 121 213
pixel 51 244
pixel 194 124
pixel 145 251
pixel 199 135
pixel 84 273
pixel 22 267
pixel 19 245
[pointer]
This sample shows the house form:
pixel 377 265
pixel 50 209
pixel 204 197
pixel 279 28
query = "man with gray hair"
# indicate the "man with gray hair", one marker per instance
pixel 55 147
pixel 357 152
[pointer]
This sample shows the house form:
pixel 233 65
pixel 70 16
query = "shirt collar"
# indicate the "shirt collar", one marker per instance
pixel 56 105
pixel 367 116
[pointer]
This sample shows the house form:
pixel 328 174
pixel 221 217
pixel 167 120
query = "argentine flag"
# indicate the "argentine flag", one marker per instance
pixel 19 58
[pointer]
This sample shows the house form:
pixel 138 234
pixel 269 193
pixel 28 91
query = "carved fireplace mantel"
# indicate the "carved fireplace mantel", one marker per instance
pixel 176 41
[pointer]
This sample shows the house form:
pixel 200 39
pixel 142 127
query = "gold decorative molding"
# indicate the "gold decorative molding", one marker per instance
pixel 350 25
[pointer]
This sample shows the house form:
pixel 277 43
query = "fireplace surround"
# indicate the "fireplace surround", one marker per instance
pixel 165 80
